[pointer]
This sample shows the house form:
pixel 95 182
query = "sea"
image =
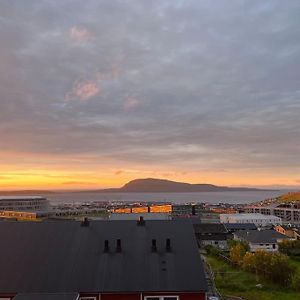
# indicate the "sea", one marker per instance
pixel 236 197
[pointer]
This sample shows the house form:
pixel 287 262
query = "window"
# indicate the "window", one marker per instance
pixel 161 298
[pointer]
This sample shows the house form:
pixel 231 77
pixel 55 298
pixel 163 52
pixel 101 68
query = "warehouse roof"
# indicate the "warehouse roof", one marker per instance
pixel 240 226
pixel 60 257
pixel 209 228
pixel 260 236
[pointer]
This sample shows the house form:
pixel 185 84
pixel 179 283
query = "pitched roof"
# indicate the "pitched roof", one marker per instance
pixel 203 228
pixel 63 257
pixel 45 296
pixel 240 226
pixel 260 236
pixel 213 237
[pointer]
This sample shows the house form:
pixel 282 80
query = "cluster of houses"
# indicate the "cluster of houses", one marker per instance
pixel 125 259
pixel 260 232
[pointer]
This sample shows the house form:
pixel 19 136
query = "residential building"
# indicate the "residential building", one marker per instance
pixel 135 216
pixel 210 217
pixel 187 209
pixel 124 260
pixel 289 230
pixel 234 227
pixel 266 240
pixel 288 212
pixel 211 234
pixel 259 220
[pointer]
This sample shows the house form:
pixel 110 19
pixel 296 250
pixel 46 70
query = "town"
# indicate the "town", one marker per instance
pixel 201 243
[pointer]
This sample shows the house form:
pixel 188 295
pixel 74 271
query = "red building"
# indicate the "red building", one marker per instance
pixel 100 260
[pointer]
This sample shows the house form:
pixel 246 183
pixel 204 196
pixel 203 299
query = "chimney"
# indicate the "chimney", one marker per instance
pixel 193 210
pixel 141 221
pixel 168 245
pixel 85 222
pixel 154 246
pixel 119 246
pixel 106 246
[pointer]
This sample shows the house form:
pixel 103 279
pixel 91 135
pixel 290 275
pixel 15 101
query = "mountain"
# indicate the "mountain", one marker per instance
pixel 24 192
pixel 151 185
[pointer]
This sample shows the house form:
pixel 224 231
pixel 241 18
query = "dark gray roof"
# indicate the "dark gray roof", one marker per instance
pixel 204 228
pixel 62 257
pixel 240 226
pixel 38 296
pixel 213 237
pixel 260 236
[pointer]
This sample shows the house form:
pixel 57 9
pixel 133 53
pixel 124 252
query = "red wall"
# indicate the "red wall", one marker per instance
pixel 186 296
pixel 182 296
pixel 120 297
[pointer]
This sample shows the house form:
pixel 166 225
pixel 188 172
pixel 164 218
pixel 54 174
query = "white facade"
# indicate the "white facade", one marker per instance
pixel 272 247
pixel 221 244
pixel 259 220
pixel 24 203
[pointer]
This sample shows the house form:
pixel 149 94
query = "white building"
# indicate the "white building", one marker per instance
pixel 24 203
pixel 266 240
pixel 259 220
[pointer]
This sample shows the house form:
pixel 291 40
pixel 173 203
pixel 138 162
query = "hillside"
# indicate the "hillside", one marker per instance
pixel 290 197
pixel 151 185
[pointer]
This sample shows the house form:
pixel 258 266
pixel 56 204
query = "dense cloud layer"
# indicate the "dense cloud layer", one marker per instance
pixel 184 84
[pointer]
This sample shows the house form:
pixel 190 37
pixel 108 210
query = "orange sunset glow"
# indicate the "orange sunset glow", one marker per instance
pixel 95 100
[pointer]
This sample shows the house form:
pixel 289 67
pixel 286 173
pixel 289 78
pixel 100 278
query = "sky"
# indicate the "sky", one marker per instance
pixel 96 93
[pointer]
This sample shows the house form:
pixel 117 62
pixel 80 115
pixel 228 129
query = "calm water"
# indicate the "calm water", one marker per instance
pixel 210 197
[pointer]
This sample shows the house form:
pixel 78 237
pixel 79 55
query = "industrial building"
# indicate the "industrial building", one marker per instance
pixel 258 220
pixel 24 207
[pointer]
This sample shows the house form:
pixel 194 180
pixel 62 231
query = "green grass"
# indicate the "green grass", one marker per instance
pixel 295 263
pixel 235 282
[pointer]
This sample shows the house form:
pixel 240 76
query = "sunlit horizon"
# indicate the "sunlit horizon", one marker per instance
pixel 93 96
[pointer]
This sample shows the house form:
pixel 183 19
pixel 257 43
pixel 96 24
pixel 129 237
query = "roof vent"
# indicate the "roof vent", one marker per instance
pixel 154 246
pixel 193 209
pixel 106 246
pixel 168 245
pixel 141 221
pixel 85 222
pixel 119 246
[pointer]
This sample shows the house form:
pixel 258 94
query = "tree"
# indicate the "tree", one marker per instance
pixel 257 263
pixel 296 281
pixel 280 269
pixel 291 248
pixel 271 266
pixel 237 253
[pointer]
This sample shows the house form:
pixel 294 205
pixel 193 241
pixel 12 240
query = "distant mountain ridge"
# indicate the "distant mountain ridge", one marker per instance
pixel 147 185
pixel 152 185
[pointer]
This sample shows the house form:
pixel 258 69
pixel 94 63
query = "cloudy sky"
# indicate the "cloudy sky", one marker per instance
pixel 95 93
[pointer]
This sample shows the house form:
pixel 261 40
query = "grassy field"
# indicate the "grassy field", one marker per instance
pixel 231 281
